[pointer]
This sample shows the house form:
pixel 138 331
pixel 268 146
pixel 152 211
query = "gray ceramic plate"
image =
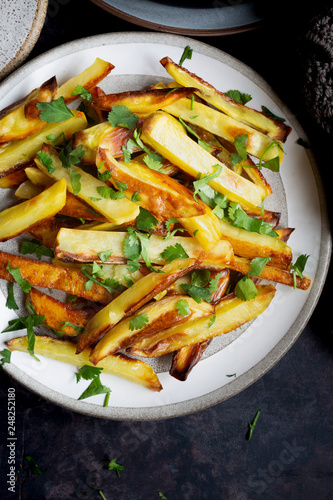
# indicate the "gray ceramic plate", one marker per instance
pixel 21 22
pixel 194 18
pixel 297 192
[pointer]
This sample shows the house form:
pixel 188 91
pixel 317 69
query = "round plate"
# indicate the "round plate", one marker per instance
pixel 297 193
pixel 25 18
pixel 194 18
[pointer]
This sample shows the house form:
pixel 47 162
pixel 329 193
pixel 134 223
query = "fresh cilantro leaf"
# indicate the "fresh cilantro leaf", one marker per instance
pixel 33 466
pixel 258 264
pixel 239 218
pixel 107 399
pixel 16 274
pixel 46 160
pixel 172 253
pixel 214 283
pixel 170 233
pixel 187 54
pixel 272 115
pixel 245 289
pixel 298 267
pixel 162 496
pixel 274 163
pixel 211 321
pixel 70 156
pixel 145 221
pixel 100 491
pixel 116 467
pixel 92 272
pixel 200 183
pixel 132 249
pixel 82 92
pixel 135 197
pixel 183 307
pixel 104 256
pixel 55 111
pixel 88 372
pixel 238 96
pixel 138 322
pixel 201 143
pixel 144 244
pixel 152 163
pixel 11 302
pixel 35 247
pixel 253 424
pixel 200 277
pixel 128 150
pixel 231 375
pixel 75 177
pixel 197 293
pixel 240 143
pixel 105 176
pixel 121 116
pixel 110 193
pixel 28 322
pixel 78 329
pixel 95 387
pixel 6 355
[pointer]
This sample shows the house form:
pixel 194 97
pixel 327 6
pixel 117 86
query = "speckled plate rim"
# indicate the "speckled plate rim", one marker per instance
pixel 29 41
pixel 168 28
pixel 280 349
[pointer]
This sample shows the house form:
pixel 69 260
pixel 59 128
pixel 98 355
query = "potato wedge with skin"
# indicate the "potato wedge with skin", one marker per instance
pixel 163 196
pixel 132 299
pixel 271 273
pixel 227 128
pixel 143 101
pixel 17 154
pixel 161 133
pixel 230 314
pixel 89 78
pixel 161 315
pixel 118 211
pixel 44 275
pixel 206 229
pixel 13 180
pixel 27 190
pixel 19 218
pixel 57 314
pixel 250 245
pixel 185 359
pixel 84 246
pixel 120 365
pixel 270 126
pixel 23 120
pixel 47 230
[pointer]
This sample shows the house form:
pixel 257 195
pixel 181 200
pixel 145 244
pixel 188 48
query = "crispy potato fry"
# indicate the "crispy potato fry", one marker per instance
pixel 120 365
pixel 27 190
pixel 143 102
pixel 19 218
pixel 47 230
pixel 206 229
pixel 230 314
pixel 23 120
pixel 89 78
pixel 58 315
pixel 84 246
pixel 161 133
pixel 14 179
pixel 160 194
pixel 132 299
pixel 161 315
pixel 270 126
pixel 185 359
pixel 17 154
pixel 44 275
pixel 114 210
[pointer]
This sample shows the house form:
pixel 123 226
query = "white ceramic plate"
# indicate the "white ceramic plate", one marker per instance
pixel 249 352
pixel 187 17
pixel 21 22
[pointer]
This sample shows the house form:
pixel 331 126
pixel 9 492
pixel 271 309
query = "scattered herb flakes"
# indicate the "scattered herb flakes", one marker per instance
pixel 298 267
pixel 170 233
pixel 95 387
pixel 121 116
pixel 46 160
pixel 82 92
pixel 33 466
pixel 75 177
pixel 183 307
pixel 162 496
pixel 138 322
pixel 5 356
pixel 269 113
pixel 200 183
pixel 33 246
pixel 136 197
pixel 145 221
pixel 101 492
pixel 258 264
pixel 253 424
pixel 172 253
pixel 245 289
pixel 205 145
pixel 104 256
pixel 238 96
pixel 187 54
pixel 55 111
pixel 239 218
pixel 231 375
pixel 211 321
pixel 116 467
pixel 16 274
pixel 11 302
pixel 78 329
pixel 240 143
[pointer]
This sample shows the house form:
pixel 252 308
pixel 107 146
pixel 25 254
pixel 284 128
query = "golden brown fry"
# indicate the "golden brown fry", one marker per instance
pixel 161 315
pixel 46 231
pixel 132 299
pixel 185 359
pixel 120 365
pixel 143 101
pixel 274 128
pixel 13 179
pixel 44 275
pixel 57 314
pixel 162 195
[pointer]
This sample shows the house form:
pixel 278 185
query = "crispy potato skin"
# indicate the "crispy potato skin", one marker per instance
pixel 185 359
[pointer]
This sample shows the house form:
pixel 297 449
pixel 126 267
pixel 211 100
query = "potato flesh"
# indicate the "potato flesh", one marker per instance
pixel 274 128
pixel 20 152
pixel 163 196
pixel 206 229
pixel 161 133
pixel 230 314
pixel 118 211
pixel 161 315
pixel 84 246
pixel 89 139
pixel 132 299
pixel 19 218
pixel 131 369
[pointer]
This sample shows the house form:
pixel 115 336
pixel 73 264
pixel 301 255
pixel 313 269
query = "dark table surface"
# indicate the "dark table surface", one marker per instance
pixel 204 455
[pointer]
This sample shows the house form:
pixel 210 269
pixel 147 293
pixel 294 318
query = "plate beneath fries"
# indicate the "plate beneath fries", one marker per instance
pixel 297 192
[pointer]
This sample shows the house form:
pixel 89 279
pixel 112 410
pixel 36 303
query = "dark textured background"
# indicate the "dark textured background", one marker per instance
pixel 204 455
